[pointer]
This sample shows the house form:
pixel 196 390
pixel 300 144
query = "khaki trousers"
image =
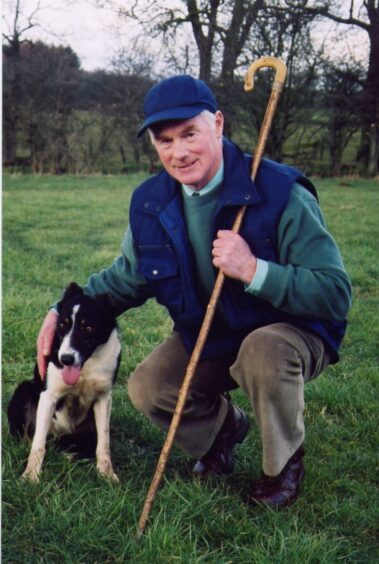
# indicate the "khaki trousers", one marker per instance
pixel 272 365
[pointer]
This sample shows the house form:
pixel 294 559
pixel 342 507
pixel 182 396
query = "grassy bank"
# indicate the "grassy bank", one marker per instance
pixel 58 229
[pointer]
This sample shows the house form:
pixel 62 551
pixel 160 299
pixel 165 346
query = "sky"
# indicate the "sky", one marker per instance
pixel 87 30
pixel 91 32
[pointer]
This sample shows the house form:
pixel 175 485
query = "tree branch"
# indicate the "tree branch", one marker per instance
pixel 325 12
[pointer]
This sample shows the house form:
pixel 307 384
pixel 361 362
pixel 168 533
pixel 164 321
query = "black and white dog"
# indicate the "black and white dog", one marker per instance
pixel 73 402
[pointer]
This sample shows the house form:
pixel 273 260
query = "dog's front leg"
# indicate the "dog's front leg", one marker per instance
pixel 45 411
pixel 102 410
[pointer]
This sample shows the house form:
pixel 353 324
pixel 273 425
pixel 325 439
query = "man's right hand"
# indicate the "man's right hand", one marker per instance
pixel 45 341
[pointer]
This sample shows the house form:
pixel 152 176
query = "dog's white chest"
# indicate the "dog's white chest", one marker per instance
pixel 95 381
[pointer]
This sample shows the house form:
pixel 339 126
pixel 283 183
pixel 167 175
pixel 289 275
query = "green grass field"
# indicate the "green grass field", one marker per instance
pixel 58 229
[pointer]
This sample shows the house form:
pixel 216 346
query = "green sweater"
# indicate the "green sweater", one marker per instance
pixel 308 281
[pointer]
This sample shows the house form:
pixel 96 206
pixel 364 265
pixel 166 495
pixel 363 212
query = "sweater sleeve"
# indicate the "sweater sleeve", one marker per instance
pixel 309 279
pixel 121 279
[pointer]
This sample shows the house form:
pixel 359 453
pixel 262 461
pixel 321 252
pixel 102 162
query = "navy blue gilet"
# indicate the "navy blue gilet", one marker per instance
pixel 165 257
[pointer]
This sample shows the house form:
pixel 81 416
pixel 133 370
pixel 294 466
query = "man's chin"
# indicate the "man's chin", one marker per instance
pixel 189 180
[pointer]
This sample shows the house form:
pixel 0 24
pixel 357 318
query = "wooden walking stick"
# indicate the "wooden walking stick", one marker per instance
pixel 277 87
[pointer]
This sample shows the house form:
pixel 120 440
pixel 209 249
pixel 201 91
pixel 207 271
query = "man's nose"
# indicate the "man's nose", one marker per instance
pixel 179 149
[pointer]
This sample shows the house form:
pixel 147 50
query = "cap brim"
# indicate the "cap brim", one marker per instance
pixel 173 114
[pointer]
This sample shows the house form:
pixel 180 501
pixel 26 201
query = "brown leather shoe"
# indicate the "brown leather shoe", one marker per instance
pixel 219 459
pixel 282 490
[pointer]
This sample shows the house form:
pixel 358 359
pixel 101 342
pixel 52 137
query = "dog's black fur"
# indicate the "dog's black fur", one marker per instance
pixel 76 392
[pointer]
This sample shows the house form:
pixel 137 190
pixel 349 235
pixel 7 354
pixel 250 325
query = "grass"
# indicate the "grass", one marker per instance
pixel 61 228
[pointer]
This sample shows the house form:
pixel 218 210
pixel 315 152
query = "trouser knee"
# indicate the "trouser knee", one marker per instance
pixel 264 357
pixel 140 391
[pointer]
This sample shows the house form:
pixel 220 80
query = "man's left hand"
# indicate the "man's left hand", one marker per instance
pixel 232 255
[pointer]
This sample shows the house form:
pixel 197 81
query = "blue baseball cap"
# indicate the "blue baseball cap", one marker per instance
pixel 176 98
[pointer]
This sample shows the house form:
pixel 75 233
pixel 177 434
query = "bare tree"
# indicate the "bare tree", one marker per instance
pixel 19 54
pixel 16 23
pixel 222 36
pixel 15 26
pixel 115 98
pixel 214 31
pixel 40 102
pixel 287 36
pixel 365 17
pixel 341 96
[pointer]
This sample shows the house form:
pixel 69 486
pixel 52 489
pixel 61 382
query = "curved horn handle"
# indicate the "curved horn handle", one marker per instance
pixel 273 62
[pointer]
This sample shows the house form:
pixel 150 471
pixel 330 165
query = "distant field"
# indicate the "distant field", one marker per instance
pixel 58 229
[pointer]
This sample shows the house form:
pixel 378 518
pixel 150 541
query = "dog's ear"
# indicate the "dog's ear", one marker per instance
pixel 73 289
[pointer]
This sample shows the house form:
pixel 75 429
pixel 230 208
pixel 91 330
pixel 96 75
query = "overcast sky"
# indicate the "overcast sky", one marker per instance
pixel 90 31
pixel 87 30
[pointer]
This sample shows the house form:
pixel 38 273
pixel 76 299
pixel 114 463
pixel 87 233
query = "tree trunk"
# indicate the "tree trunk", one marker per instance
pixel 370 134
pixel 373 151
pixel 205 43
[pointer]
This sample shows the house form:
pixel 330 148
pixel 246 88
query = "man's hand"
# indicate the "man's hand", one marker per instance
pixel 232 255
pixel 45 341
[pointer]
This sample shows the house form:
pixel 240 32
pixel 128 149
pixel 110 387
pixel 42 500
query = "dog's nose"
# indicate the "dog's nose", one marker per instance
pixel 67 359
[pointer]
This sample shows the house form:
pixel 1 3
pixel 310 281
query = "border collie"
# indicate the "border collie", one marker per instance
pixel 73 402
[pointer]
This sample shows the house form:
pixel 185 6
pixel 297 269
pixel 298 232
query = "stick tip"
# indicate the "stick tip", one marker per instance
pixel 141 526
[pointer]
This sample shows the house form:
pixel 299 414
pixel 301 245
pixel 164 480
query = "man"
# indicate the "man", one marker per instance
pixel 280 318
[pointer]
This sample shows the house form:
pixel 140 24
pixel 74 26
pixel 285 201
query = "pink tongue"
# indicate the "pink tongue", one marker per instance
pixel 71 374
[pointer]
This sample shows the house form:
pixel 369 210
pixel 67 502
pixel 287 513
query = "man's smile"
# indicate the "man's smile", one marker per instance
pixel 186 166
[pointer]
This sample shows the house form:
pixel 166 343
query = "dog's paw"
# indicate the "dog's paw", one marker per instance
pixel 30 475
pixel 113 478
pixel 105 469
pixel 34 465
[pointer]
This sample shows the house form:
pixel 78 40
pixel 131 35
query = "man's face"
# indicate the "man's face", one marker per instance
pixel 191 150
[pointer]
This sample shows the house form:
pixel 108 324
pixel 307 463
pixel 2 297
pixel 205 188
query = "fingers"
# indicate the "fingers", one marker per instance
pixel 232 255
pixel 45 341
pixel 227 245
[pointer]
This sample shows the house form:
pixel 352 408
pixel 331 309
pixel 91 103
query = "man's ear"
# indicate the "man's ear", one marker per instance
pixel 219 122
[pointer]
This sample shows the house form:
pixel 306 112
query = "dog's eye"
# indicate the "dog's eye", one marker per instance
pixel 88 329
pixel 64 323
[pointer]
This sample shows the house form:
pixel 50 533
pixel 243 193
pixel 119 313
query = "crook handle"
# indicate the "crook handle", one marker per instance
pixel 274 63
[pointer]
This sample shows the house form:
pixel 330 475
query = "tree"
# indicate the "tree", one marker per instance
pixel 14 28
pixel 38 90
pixel 341 96
pixel 224 36
pixel 223 33
pixel 46 88
pixel 215 31
pixel 368 20
pixel 286 36
pixel 115 98
pixel 16 24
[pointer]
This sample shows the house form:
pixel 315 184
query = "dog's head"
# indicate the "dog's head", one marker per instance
pixel 84 323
